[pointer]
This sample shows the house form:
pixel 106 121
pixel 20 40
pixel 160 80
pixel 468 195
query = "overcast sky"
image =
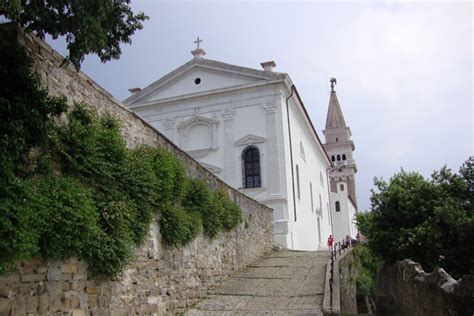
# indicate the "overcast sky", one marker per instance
pixel 404 69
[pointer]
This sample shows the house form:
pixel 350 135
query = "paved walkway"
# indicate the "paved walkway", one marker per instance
pixel 281 283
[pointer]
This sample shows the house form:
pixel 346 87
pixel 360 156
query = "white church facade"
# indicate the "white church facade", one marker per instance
pixel 250 128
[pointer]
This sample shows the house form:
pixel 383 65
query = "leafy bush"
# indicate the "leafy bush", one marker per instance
pixel 69 217
pixel 178 226
pixel 230 213
pixel 26 109
pixel 22 217
pixel 429 221
pixel 370 265
pixel 218 211
pixel 199 199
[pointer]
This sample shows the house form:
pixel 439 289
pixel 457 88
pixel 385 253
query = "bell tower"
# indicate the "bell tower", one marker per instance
pixel 339 147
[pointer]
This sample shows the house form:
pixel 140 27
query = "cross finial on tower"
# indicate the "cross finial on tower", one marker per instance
pixel 198 41
pixel 333 83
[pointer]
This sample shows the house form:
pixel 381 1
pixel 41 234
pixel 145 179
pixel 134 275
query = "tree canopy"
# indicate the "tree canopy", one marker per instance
pixel 89 26
pixel 427 220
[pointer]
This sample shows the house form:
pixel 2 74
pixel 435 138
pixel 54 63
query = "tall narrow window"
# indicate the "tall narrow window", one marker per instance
pixel 333 158
pixel 329 215
pixel 251 167
pixel 341 186
pixel 298 181
pixel 303 155
pixel 338 157
pixel 311 192
pixel 320 206
pixel 338 206
pixel 343 156
pixel 319 231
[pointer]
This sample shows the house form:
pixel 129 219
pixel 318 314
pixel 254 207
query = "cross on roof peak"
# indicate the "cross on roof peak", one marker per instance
pixel 198 41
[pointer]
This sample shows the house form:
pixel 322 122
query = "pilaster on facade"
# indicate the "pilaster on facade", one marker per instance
pixel 229 165
pixel 169 125
pixel 270 107
pixel 228 114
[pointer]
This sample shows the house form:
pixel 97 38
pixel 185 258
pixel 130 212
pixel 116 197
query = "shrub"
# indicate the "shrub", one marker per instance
pixel 178 226
pixel 370 264
pixel 199 199
pixel 21 222
pixel 27 111
pixel 70 217
pixel 230 213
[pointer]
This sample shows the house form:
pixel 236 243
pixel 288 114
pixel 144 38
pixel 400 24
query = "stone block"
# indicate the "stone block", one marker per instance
pixel 92 290
pixel 10 279
pixel 5 292
pixel 43 304
pixel 54 274
pixel 35 262
pixel 56 304
pixel 5 306
pixel 80 276
pixel 26 278
pixel 77 312
pixel 32 303
pixel 102 300
pixel 69 268
pixel 92 301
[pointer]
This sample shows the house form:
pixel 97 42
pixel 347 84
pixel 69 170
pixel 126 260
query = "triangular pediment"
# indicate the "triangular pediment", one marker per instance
pixel 250 139
pixel 199 77
pixel 196 119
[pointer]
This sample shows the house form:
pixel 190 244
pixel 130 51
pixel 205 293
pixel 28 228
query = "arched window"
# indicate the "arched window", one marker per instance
pixel 251 167
pixel 343 156
pixel 333 158
pixel 338 206
pixel 303 155
pixel 338 157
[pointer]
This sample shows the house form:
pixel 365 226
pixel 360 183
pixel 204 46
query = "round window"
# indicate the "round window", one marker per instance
pixel 197 81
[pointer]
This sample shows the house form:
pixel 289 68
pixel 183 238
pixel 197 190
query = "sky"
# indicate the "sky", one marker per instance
pixel 404 69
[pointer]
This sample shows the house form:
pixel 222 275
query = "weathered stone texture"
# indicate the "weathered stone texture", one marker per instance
pixel 348 287
pixel 281 283
pixel 161 279
pixel 404 288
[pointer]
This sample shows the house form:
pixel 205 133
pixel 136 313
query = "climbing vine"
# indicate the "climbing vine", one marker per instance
pixel 75 189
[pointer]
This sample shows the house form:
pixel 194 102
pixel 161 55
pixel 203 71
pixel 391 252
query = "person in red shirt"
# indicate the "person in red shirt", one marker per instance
pixel 330 242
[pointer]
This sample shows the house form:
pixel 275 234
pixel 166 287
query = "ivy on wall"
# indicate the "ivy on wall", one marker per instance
pixel 75 189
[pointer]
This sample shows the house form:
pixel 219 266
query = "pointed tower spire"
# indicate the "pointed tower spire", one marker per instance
pixel 340 147
pixel 335 118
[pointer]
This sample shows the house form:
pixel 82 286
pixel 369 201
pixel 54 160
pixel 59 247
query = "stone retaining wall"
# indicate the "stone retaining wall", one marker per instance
pixel 161 279
pixel 343 296
pixel 405 289
pixel 348 287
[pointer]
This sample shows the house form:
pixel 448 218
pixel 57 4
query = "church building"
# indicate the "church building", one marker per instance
pixel 250 128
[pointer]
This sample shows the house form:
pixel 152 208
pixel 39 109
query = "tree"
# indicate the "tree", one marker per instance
pixel 364 221
pixel 89 26
pixel 429 221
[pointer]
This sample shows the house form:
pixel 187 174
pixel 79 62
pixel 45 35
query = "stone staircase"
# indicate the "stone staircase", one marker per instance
pixel 281 283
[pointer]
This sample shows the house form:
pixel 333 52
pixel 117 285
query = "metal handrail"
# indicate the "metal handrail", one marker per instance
pixel 334 253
